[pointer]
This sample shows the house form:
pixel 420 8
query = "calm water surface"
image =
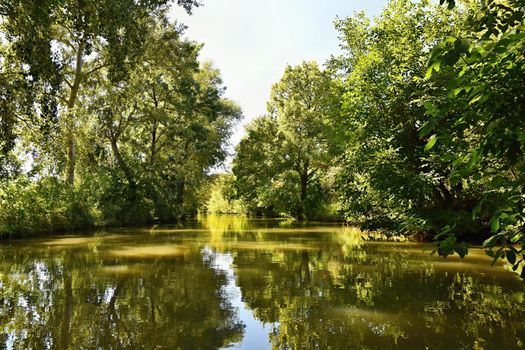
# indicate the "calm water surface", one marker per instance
pixel 234 283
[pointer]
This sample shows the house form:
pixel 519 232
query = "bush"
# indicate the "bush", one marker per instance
pixel 43 206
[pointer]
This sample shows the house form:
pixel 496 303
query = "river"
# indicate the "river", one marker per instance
pixel 229 282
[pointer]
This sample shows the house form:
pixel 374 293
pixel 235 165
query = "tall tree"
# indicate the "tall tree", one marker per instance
pixel 384 180
pixel 299 107
pixel 63 42
pixel 258 168
pixel 165 125
pixel 301 103
pixel 146 129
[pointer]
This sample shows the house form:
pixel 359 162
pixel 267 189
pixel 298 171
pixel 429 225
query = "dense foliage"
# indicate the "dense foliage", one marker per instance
pixel 484 112
pixel 281 162
pixel 423 135
pixel 385 180
pixel 118 106
pixel 222 196
pixel 416 127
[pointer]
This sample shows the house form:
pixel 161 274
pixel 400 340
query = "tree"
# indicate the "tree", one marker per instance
pixel 141 116
pixel 385 179
pixel 301 103
pixel 63 42
pixel 222 196
pixel 165 125
pixel 257 164
pixel 145 135
pixel 291 143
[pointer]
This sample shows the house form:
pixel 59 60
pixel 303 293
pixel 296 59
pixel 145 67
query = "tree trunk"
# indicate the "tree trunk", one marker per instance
pixel 72 153
pixel 154 129
pixel 304 187
pixel 153 141
pixel 303 175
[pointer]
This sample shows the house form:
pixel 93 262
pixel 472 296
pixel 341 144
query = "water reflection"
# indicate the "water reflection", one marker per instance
pixel 231 282
pixel 81 298
pixel 255 332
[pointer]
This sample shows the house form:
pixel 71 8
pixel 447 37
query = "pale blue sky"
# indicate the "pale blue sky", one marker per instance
pixel 251 41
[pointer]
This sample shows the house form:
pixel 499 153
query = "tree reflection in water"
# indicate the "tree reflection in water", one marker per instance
pixel 313 287
pixel 75 298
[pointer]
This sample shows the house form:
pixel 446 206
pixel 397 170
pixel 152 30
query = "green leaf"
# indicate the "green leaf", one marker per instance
pixel 479 99
pixel 431 142
pixel 474 158
pixel 475 99
pixel 426 128
pixel 435 66
pixel 516 237
pixel 489 242
pixel 494 224
pixel 511 257
pixel 462 250
pixel 428 105
pixel 456 91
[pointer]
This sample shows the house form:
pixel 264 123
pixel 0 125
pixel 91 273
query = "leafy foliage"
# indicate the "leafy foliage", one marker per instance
pixel 118 104
pixel 222 196
pixel 416 127
pixel 428 136
pixel 485 104
pixel 389 176
pixel 280 163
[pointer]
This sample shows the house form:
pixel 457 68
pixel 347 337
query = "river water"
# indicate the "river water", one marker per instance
pixel 228 282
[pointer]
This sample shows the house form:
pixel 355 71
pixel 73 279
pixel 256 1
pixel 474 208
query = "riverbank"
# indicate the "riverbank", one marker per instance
pixel 48 205
pixel 64 217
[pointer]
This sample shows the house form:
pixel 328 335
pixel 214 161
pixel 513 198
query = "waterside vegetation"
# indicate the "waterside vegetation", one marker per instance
pixel 104 119
pixel 416 127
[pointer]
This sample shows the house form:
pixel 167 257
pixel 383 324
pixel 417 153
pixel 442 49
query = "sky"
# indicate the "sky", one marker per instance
pixel 252 41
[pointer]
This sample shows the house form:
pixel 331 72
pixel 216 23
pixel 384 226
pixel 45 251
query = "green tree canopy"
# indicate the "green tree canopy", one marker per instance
pixel 291 143
pixel 57 45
